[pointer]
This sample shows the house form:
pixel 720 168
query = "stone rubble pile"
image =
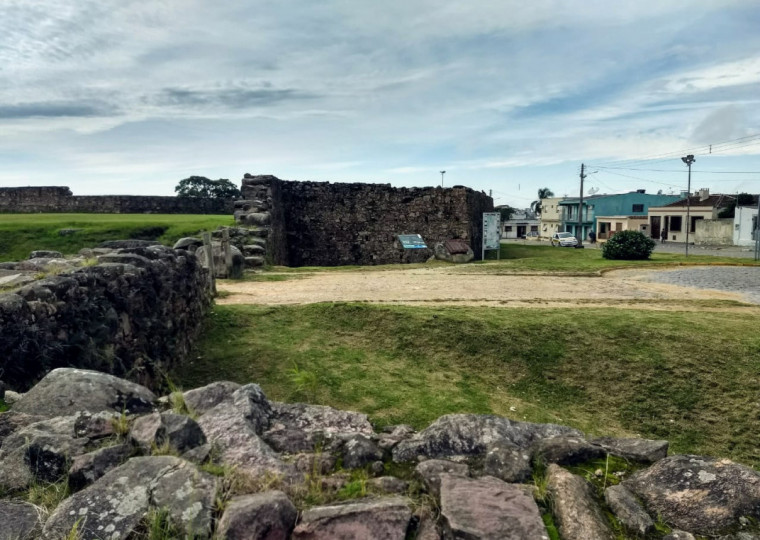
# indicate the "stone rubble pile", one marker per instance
pixel 223 461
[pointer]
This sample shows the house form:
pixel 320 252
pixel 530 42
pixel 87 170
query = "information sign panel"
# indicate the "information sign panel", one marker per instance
pixel 412 241
pixel 491 232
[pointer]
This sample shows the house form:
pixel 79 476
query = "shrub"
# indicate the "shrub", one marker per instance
pixel 628 245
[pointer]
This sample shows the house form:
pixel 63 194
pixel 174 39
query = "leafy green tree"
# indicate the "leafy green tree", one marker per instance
pixel 200 186
pixel 543 193
pixel 629 246
pixel 506 212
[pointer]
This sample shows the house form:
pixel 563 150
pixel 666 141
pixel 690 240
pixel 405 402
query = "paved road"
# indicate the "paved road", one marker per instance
pixel 742 279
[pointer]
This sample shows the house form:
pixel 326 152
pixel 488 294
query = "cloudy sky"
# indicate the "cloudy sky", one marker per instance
pixel 130 96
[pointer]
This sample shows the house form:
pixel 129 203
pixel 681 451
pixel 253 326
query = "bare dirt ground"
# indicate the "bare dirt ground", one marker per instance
pixel 440 286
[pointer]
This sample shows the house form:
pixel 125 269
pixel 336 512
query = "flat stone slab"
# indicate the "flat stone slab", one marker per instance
pixel 633 449
pixel 378 519
pixel 489 509
pixel 19 521
pixel 471 434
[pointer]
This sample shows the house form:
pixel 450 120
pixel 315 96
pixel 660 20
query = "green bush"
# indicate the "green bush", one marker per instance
pixel 629 246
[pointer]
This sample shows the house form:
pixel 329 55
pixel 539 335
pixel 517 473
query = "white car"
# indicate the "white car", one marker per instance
pixel 564 239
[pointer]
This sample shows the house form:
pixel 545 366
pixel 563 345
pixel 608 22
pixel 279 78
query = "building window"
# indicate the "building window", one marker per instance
pixel 534 228
pixel 638 208
pixel 675 223
pixel 694 222
pixel 508 228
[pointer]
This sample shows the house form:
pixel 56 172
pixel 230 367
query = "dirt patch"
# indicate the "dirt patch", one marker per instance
pixel 624 288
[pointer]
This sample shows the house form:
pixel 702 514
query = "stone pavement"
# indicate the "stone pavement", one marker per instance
pixel 742 279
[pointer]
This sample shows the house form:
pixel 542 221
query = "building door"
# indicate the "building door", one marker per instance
pixel 655 227
pixel 521 231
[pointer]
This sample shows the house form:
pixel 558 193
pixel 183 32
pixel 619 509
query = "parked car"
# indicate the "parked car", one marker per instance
pixel 564 239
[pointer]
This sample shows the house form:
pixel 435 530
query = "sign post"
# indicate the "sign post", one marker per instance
pixel 491 234
pixel 411 241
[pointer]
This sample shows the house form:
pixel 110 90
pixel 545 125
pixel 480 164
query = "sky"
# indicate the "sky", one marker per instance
pixel 131 96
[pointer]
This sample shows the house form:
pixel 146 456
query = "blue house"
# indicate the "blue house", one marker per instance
pixel 632 204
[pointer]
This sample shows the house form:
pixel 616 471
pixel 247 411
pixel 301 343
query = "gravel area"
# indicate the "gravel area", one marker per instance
pixel 744 280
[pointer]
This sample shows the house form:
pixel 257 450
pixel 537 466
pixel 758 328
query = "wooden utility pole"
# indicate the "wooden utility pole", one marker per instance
pixel 579 231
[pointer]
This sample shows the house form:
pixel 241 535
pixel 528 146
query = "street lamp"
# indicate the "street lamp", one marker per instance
pixel 688 160
pixel 442 173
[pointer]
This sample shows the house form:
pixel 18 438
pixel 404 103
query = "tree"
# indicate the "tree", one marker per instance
pixel 200 186
pixel 506 212
pixel 543 193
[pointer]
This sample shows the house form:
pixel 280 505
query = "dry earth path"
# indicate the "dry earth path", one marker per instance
pixel 441 286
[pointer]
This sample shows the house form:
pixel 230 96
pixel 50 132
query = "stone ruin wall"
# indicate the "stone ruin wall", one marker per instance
pixel 54 199
pixel 331 224
pixel 134 314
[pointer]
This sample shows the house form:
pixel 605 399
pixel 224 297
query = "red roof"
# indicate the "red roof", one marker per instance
pixel 714 201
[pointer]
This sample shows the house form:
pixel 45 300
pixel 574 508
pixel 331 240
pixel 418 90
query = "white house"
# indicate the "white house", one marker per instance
pixel 745 225
pixel 523 224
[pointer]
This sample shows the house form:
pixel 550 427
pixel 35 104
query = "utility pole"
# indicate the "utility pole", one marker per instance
pixel 442 173
pixel 688 160
pixel 579 231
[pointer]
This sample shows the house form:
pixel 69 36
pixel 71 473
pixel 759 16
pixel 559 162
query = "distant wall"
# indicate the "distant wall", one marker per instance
pixel 714 232
pixel 326 224
pixel 134 315
pixel 52 199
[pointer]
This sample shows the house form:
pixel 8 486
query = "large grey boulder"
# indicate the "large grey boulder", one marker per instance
pixel 188 243
pixel 234 426
pixel 470 435
pixel 87 468
pixel 115 504
pixel 41 451
pixel 576 513
pixel 507 461
pixel 487 508
pixel 704 496
pixel 201 400
pixel 628 510
pixel 263 516
pixel 45 254
pixel 633 449
pixel 313 418
pixel 11 421
pixel 566 450
pixel 65 391
pixel 359 451
pixel 379 519
pixel 429 472
pixel 19 521
pixel 181 433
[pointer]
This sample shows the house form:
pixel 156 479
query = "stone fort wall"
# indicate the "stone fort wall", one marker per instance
pixel 331 224
pixel 52 199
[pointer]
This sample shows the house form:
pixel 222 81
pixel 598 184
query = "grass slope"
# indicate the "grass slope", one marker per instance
pixel 22 233
pixel 688 377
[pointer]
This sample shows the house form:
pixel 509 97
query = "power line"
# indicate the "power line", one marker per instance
pixel 714 148
pixel 674 170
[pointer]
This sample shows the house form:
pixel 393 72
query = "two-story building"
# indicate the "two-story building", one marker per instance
pixel 671 218
pixel 628 206
pixel 551 216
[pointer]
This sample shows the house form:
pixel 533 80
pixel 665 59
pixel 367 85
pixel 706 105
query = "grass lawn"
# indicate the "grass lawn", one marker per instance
pixel 688 377
pixel 23 233
pixel 518 258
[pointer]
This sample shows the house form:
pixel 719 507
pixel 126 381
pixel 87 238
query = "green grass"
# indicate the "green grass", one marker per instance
pixel 517 258
pixel 3 406
pixel 688 377
pixel 23 233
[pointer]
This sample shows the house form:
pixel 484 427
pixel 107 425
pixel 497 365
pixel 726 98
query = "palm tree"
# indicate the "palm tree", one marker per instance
pixel 543 193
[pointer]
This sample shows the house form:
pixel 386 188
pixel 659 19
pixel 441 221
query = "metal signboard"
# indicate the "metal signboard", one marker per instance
pixel 412 241
pixel 491 232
